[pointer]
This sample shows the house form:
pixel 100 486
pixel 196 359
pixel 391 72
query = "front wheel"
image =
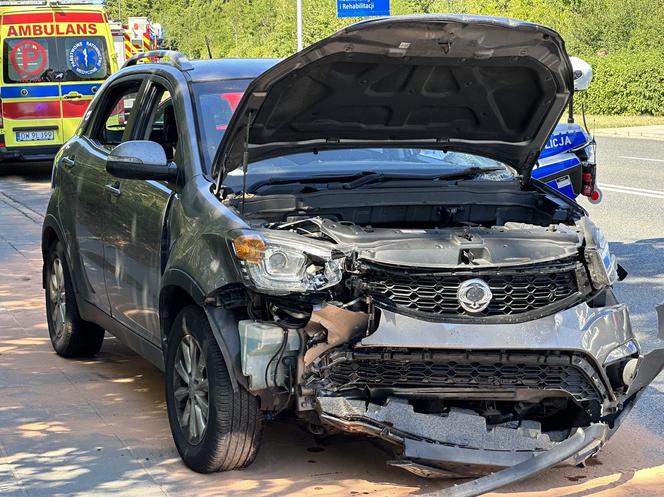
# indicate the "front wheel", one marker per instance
pixel 214 427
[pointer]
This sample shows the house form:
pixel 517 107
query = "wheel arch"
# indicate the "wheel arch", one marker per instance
pixel 51 233
pixel 179 290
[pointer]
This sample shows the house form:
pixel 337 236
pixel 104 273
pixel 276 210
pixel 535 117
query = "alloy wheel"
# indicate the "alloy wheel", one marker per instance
pixel 191 389
pixel 57 295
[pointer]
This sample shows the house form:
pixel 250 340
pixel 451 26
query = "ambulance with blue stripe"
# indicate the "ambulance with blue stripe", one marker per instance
pixel 55 56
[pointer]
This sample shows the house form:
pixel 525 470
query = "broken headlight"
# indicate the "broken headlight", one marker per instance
pixel 602 265
pixel 282 263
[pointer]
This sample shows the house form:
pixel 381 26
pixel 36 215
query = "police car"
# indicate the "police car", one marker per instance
pixel 55 55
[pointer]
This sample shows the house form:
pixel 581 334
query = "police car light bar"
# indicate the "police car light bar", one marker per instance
pixel 25 3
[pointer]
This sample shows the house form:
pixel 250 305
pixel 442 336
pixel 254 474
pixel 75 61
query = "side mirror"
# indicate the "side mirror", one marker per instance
pixel 583 73
pixel 140 159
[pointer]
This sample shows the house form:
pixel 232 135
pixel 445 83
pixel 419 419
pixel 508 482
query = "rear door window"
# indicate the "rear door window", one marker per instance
pixel 55 59
pixel 87 58
pixel 28 60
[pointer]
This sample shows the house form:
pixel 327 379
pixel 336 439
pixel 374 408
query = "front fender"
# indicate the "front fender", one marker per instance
pixel 200 263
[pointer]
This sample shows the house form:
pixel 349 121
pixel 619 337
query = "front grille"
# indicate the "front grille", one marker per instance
pixel 569 372
pixel 515 290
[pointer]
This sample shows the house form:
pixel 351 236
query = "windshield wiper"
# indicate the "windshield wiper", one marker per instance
pixel 313 179
pixel 469 172
pixel 459 174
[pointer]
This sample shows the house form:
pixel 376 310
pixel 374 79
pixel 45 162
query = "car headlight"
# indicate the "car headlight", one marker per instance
pixel 602 265
pixel 280 263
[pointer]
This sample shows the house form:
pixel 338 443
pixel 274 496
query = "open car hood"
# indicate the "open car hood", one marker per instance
pixel 488 86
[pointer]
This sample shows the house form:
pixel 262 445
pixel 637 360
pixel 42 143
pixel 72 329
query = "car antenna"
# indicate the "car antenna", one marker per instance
pixel 207 44
pixel 245 160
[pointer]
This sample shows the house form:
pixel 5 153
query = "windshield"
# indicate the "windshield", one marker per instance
pixel 55 59
pixel 403 163
pixel 217 100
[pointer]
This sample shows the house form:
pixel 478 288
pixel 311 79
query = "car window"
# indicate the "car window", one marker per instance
pixel 162 127
pixel 108 127
pixel 44 59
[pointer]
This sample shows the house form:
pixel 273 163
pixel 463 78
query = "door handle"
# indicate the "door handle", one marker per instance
pixel 72 95
pixel 68 161
pixel 113 189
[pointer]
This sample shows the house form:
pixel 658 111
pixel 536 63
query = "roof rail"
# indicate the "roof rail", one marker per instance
pixel 175 58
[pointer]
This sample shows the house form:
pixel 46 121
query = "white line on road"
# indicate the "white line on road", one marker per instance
pixel 641 192
pixel 639 158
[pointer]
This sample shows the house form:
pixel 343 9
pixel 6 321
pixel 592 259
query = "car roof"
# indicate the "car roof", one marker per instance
pixel 218 69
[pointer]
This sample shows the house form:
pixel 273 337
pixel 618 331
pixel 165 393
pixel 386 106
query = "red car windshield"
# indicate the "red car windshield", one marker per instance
pixel 216 101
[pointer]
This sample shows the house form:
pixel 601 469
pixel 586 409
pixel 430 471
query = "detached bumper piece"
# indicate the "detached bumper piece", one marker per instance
pixel 460 444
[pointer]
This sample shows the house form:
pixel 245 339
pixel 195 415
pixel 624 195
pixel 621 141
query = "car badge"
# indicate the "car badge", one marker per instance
pixel 474 295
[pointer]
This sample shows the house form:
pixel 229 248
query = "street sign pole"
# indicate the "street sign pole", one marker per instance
pixel 299 25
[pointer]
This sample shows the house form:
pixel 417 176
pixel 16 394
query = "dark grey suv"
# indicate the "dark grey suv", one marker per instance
pixel 352 235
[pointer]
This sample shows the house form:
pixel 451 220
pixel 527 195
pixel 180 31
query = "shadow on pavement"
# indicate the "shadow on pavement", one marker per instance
pixel 26 170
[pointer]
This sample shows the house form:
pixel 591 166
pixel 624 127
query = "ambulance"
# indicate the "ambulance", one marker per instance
pixel 55 56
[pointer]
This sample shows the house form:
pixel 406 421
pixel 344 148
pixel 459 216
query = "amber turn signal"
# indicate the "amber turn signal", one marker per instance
pixel 250 248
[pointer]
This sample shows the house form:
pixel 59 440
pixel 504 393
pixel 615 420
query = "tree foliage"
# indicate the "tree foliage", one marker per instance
pixel 619 36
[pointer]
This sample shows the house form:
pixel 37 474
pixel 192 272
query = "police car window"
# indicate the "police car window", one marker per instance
pixel 54 59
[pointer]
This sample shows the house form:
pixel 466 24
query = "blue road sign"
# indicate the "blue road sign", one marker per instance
pixel 363 8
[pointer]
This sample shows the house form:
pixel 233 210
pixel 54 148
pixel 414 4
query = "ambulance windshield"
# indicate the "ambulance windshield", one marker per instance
pixel 55 59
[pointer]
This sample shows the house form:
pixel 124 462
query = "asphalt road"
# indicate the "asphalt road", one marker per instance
pixel 99 427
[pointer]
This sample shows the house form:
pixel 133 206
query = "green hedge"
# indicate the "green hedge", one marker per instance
pixel 630 83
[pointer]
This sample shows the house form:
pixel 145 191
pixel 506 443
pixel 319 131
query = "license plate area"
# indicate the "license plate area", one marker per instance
pixel 34 136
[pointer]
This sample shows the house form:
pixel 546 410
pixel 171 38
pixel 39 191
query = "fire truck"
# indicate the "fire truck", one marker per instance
pixel 137 35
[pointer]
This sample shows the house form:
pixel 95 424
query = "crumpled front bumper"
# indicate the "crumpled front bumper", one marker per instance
pixel 461 444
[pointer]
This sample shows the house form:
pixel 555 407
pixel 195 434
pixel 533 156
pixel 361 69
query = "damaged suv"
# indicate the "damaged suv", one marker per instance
pixel 352 235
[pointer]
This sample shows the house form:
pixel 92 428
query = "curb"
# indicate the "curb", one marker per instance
pixel 630 133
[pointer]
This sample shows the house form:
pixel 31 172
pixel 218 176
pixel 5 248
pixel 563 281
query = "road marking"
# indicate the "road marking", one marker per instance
pixel 640 158
pixel 629 190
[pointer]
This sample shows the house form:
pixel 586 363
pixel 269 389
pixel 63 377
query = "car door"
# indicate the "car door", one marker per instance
pixel 87 187
pixel 135 227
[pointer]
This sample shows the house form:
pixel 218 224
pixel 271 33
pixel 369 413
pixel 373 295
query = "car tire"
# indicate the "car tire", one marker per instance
pixel 71 336
pixel 227 438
